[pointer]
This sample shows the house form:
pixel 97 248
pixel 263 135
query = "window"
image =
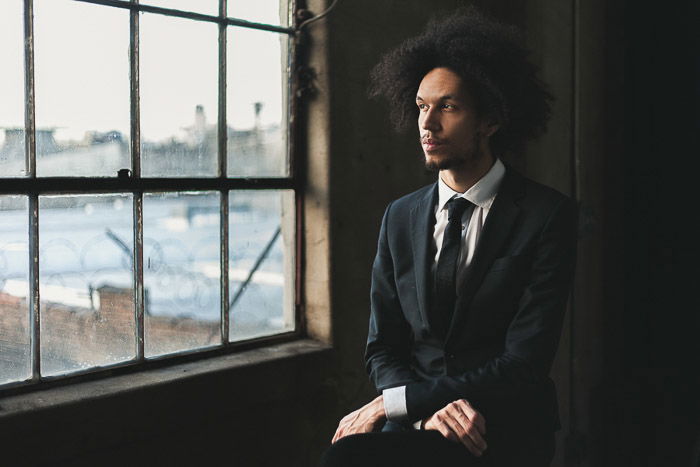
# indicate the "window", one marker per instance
pixel 148 194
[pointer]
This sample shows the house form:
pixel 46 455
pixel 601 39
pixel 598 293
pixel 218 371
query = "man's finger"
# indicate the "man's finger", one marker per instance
pixel 345 422
pixel 450 429
pixel 473 415
pixel 469 427
pixel 341 431
pixel 468 432
pixel 447 431
pixel 336 435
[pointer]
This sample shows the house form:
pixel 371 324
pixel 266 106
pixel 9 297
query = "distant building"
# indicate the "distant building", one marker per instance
pixel 256 152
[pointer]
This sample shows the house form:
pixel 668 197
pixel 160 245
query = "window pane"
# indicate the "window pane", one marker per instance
pixel 12 160
pixel 256 104
pixel 207 7
pixel 15 355
pixel 181 271
pixel 82 88
pixel 261 263
pixel 86 286
pixel 179 66
pixel 260 11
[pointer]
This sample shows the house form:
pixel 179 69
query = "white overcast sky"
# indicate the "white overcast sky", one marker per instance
pixel 82 67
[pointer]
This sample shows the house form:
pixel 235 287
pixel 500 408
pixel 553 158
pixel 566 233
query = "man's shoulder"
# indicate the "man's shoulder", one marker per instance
pixel 533 193
pixel 529 192
pixel 414 198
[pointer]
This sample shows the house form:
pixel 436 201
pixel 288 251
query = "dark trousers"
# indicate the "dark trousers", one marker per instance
pixel 398 446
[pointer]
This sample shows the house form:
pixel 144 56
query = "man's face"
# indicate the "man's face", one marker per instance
pixel 451 134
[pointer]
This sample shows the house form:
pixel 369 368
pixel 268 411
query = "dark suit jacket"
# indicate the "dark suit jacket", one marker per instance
pixel 498 349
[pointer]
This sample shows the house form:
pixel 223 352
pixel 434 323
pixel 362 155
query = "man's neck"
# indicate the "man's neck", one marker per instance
pixel 460 179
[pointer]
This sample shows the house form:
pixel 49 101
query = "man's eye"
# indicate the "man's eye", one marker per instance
pixel 422 106
pixel 448 106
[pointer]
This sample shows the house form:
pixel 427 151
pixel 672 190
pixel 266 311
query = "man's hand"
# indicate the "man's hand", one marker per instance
pixel 460 422
pixel 362 420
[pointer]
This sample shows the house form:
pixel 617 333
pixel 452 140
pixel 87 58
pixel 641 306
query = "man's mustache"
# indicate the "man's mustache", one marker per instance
pixel 430 139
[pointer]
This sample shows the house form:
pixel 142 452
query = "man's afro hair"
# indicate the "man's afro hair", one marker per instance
pixel 491 59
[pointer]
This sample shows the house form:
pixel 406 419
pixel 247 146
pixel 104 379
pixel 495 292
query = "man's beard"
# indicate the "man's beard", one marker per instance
pixel 472 155
pixel 445 164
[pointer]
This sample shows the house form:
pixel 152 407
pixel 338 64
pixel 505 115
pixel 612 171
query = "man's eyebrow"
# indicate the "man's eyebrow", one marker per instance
pixel 446 97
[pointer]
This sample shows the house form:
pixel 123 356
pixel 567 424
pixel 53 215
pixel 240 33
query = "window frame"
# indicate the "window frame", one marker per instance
pixel 33 186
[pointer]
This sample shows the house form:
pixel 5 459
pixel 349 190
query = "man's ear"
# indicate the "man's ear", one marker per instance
pixel 490 127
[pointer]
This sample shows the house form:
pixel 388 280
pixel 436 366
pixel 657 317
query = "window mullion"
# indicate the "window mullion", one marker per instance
pixel 139 294
pixel 135 103
pixel 34 303
pixel 222 129
pixel 224 268
pixel 29 115
pixel 30 166
pixel 222 159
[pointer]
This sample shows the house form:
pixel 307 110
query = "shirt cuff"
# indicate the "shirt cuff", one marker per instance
pixel 395 404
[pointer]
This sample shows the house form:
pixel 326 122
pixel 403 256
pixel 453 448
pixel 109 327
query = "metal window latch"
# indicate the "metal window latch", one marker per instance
pixel 124 174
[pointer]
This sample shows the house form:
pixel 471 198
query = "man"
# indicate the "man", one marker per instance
pixel 472 273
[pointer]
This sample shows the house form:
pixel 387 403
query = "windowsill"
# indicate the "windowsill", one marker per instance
pixel 239 366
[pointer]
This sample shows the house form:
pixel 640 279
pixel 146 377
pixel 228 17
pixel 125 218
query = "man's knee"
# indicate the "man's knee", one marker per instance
pixel 407 448
pixel 352 450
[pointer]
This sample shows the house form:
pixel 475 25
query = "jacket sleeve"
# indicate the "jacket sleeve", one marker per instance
pixel 532 336
pixel 389 341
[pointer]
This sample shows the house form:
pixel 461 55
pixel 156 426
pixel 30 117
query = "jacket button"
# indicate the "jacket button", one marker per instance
pixel 451 356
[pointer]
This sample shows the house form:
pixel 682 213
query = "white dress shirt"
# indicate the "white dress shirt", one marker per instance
pixel 482 195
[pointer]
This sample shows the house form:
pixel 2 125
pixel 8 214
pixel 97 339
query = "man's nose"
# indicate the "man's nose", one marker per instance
pixel 430 120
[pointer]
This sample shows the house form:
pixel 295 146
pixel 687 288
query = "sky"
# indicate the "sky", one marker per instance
pixel 82 67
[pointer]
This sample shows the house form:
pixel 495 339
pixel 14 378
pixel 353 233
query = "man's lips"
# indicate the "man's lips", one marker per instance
pixel 430 143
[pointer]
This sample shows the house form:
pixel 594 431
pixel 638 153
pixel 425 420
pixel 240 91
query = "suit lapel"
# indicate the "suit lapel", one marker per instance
pixel 422 218
pixel 496 230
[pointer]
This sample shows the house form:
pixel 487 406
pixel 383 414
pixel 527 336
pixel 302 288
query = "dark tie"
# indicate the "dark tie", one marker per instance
pixel 446 271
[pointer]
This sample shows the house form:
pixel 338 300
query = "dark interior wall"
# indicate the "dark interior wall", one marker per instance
pixel 661 349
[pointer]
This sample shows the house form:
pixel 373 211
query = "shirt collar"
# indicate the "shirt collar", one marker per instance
pixel 482 193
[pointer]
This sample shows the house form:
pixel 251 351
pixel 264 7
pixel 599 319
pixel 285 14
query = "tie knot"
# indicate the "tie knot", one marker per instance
pixel 456 207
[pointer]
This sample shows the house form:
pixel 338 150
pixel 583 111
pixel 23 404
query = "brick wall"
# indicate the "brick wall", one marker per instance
pixel 74 338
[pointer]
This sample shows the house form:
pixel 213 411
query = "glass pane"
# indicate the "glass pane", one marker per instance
pixel 256 106
pixel 15 354
pixel 12 160
pixel 207 7
pixel 181 271
pixel 82 88
pixel 260 11
pixel 86 285
pixel 179 76
pixel 261 263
